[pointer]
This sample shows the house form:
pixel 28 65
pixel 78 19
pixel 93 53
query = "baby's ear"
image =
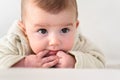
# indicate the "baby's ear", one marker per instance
pixel 21 26
pixel 77 23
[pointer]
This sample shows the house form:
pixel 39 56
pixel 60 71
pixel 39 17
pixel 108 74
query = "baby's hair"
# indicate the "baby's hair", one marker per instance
pixel 52 6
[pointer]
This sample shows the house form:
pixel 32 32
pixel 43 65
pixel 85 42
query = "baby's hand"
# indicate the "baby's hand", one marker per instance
pixel 40 61
pixel 65 60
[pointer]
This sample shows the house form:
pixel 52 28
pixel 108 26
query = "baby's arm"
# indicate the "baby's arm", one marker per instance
pixel 86 54
pixel 9 54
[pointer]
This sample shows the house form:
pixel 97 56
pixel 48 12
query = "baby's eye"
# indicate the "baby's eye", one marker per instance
pixel 42 31
pixel 65 30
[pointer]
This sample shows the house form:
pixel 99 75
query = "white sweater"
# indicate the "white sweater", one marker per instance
pixel 14 47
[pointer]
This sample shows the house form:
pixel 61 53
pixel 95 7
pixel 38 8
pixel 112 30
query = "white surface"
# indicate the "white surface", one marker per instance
pixel 99 21
pixel 59 74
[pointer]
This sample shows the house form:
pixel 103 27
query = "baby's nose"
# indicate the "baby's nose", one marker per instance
pixel 54 40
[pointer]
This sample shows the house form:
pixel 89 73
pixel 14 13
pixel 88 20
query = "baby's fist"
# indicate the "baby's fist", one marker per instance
pixel 66 60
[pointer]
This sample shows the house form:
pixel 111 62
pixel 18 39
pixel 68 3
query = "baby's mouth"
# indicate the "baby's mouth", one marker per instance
pixel 52 52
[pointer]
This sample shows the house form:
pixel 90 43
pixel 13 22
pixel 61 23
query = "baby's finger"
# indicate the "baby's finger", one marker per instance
pixel 50 64
pixel 42 53
pixel 50 61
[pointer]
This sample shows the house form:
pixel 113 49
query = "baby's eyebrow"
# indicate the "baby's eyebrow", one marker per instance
pixel 47 25
pixel 69 24
pixel 65 24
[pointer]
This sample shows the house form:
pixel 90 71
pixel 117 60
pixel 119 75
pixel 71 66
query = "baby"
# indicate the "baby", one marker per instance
pixel 46 37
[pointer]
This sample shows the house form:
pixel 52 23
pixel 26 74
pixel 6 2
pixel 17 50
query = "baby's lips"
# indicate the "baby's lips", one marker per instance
pixel 52 52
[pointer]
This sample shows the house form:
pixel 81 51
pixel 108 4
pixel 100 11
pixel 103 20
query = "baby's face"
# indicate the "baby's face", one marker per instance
pixel 46 31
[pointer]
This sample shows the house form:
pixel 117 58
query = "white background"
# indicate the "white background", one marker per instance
pixel 99 22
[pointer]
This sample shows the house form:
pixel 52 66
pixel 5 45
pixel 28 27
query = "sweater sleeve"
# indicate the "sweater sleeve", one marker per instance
pixel 86 54
pixel 11 51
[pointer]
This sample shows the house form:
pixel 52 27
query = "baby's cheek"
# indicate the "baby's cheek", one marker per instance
pixel 36 51
pixel 68 46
